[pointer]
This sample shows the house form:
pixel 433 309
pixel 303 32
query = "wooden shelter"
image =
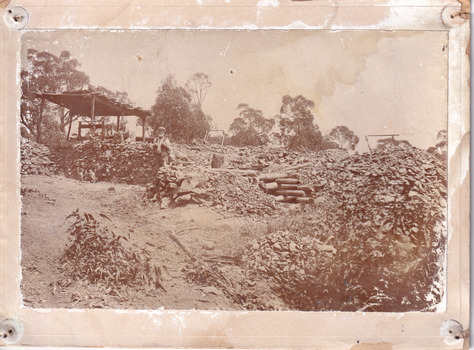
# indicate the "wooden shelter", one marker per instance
pixel 93 104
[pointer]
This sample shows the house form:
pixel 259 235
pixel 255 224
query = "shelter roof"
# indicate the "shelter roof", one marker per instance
pixel 80 103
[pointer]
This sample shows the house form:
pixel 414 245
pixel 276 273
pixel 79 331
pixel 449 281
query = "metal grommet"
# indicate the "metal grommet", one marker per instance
pixel 11 331
pixel 452 332
pixel 16 17
pixel 450 16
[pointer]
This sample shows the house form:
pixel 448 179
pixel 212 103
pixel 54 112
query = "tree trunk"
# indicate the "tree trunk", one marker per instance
pixel 63 118
pixel 40 120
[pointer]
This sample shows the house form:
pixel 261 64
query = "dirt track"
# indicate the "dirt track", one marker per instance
pixel 205 232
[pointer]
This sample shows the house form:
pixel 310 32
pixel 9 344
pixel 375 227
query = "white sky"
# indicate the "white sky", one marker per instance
pixel 371 81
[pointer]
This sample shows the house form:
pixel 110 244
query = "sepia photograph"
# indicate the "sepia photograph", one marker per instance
pixel 259 170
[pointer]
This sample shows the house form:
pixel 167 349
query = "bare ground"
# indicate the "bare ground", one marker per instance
pixel 207 232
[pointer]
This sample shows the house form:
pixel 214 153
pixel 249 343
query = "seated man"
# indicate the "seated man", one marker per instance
pixel 162 147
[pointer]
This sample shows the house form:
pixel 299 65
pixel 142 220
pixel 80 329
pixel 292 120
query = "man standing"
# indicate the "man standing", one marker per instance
pixel 162 147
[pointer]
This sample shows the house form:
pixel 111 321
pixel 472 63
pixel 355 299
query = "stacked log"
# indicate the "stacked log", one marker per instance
pixel 286 187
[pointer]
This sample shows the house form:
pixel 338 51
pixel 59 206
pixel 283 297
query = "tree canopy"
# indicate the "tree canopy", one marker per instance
pixel 440 150
pixel 390 142
pixel 118 96
pixel 251 128
pixel 197 86
pixel 48 73
pixel 297 128
pixel 173 109
pixel 45 72
pixel 343 137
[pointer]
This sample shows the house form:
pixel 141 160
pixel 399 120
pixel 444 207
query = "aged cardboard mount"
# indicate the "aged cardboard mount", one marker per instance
pixel 310 173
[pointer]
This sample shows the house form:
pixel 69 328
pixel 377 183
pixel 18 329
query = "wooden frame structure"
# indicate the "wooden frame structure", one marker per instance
pixel 207 137
pixel 93 104
pixel 380 135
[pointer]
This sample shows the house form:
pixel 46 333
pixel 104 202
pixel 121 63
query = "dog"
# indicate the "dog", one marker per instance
pixel 80 171
pixel 92 175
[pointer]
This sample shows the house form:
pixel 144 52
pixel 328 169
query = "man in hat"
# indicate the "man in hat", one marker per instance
pixel 162 147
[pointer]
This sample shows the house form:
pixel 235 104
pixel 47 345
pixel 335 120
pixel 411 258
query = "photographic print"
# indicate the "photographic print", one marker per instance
pixel 272 170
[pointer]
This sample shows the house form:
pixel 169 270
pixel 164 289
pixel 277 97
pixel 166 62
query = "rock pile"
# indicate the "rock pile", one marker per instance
pixel 238 194
pixel 257 158
pixel 36 159
pixel 230 191
pixel 382 218
pixel 131 163
pixel 286 188
pixel 289 261
pixel 173 187
pixel 400 189
pixel 284 256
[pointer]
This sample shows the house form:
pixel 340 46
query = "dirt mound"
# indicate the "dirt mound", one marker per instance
pixel 36 159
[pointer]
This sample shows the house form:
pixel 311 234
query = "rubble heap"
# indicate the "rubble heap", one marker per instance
pixel 286 188
pixel 129 163
pixel 36 159
pixel 228 190
pixel 238 194
pixel 285 257
pixel 374 239
pixel 400 189
pixel 174 187
pixel 269 159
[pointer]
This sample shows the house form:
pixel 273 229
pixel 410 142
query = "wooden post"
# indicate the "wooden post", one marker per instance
pixel 79 136
pixel 118 123
pixel 40 121
pixel 93 115
pixel 70 123
pixel 102 134
pixel 143 130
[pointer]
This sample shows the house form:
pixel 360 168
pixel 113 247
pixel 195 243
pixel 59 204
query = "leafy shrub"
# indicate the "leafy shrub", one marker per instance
pixel 98 255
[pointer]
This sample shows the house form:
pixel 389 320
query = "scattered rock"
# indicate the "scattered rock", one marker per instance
pixel 209 245
pixel 36 159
